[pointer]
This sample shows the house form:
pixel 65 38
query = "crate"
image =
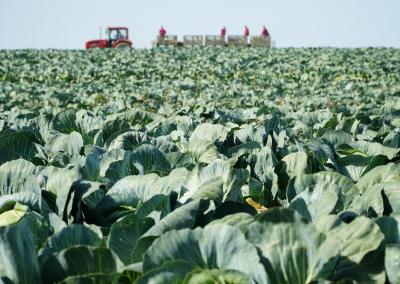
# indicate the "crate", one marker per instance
pixel 214 40
pixel 260 41
pixel 168 40
pixel 237 41
pixel 193 40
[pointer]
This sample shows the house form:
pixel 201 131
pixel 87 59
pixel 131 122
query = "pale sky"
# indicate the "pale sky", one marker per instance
pixel 296 23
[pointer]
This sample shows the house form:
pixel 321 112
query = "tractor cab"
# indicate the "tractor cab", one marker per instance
pixel 115 34
pixel 117 37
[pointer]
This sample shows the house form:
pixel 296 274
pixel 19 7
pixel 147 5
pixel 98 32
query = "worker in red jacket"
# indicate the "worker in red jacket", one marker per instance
pixel 246 31
pixel 223 32
pixel 264 31
pixel 162 32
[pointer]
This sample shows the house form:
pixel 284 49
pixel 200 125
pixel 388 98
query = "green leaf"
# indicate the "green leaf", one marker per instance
pixel 65 121
pixel 70 144
pixel 124 235
pixel 214 247
pixel 17 144
pixel 148 159
pixel 379 175
pixel 18 176
pixel 217 277
pixel 374 149
pixel 295 251
pixel 295 163
pixel 322 193
pixel 68 237
pixel 392 263
pixel 182 217
pixel 59 182
pixel 170 272
pixel 82 261
pixel 209 132
pixel 357 238
pixel 130 140
pixel 201 151
pixel 129 191
pixel 18 260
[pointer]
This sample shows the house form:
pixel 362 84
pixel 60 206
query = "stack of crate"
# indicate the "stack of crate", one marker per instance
pixel 260 41
pixel 168 40
pixel 193 40
pixel 214 40
pixel 237 41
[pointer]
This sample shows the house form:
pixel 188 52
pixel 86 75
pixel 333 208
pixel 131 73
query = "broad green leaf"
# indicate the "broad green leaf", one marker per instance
pixel 295 251
pixel 321 193
pixel 65 121
pixel 214 247
pixel 128 141
pixel 124 234
pixel 59 181
pixel 18 176
pixel 82 261
pixel 16 145
pixel 357 238
pixel 392 263
pixel 181 218
pixel 379 175
pixel 217 276
pixel 68 237
pixel 201 151
pixel 18 260
pixel 170 272
pixel 209 132
pixel 148 159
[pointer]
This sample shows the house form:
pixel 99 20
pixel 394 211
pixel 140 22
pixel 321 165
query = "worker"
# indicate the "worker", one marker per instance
pixel 246 31
pixel 223 32
pixel 162 32
pixel 264 32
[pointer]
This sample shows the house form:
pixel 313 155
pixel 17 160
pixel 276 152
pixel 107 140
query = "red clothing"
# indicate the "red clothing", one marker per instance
pixel 246 31
pixel 265 32
pixel 223 31
pixel 162 32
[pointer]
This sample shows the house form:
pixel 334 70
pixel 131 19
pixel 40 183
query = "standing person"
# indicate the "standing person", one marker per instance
pixel 162 32
pixel 246 31
pixel 264 32
pixel 223 32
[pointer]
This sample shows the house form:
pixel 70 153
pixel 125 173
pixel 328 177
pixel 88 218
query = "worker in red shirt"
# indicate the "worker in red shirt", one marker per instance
pixel 162 32
pixel 246 31
pixel 264 32
pixel 223 32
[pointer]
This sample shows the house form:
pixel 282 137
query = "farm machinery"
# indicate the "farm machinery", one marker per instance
pixel 117 37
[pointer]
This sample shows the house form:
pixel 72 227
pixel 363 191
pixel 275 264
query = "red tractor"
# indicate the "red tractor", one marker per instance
pixel 117 37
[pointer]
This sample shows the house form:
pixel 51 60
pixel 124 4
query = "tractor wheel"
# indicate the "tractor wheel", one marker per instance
pixel 122 45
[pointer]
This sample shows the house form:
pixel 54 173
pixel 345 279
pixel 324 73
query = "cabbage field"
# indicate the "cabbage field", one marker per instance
pixel 202 165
